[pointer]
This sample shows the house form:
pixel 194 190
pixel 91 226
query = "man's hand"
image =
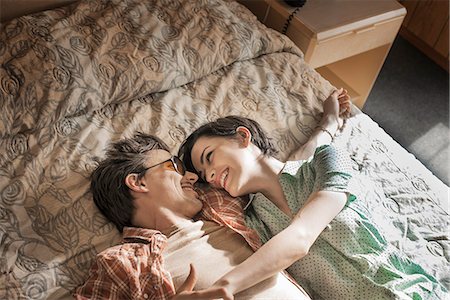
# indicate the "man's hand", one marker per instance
pixel 185 292
pixel 344 103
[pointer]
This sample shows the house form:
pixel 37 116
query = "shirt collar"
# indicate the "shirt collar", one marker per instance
pixel 291 167
pixel 250 200
pixel 140 233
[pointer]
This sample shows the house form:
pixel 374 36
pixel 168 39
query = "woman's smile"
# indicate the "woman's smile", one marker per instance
pixel 224 178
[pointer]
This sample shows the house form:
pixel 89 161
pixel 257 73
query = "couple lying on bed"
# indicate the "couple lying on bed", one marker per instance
pixel 303 212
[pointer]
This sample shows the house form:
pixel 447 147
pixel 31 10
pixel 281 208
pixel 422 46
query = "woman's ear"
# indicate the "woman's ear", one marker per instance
pixel 244 135
pixel 135 184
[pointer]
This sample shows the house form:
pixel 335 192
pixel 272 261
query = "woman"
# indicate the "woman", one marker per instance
pixel 293 203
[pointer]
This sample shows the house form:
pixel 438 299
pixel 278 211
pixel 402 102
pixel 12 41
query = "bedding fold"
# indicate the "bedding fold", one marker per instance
pixel 77 59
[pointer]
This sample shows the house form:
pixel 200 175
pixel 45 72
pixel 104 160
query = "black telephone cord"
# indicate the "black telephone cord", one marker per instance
pixel 289 19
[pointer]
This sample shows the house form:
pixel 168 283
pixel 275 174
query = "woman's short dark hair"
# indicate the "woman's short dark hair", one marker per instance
pixel 226 127
pixel 110 193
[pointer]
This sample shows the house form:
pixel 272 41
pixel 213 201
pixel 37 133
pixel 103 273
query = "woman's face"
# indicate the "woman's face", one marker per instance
pixel 225 162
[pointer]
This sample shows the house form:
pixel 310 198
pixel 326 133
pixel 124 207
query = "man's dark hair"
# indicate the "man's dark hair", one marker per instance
pixel 111 195
pixel 226 127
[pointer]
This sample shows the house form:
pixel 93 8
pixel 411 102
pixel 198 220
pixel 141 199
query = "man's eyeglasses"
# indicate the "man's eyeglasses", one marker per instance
pixel 173 163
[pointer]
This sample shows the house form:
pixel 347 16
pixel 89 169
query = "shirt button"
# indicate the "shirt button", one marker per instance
pixel 145 296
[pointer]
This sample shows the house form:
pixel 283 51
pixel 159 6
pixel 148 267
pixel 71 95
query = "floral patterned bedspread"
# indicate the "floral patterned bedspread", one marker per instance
pixel 74 79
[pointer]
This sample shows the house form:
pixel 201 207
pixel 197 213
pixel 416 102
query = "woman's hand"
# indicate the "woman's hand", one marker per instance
pixel 185 292
pixel 335 108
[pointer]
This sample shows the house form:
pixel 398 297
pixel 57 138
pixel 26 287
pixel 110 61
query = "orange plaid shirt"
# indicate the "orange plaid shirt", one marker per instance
pixel 133 269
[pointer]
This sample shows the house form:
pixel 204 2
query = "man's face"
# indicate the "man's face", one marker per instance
pixel 167 188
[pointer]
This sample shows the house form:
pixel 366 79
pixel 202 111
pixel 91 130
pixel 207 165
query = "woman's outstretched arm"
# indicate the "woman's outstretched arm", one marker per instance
pixel 289 245
pixel 334 107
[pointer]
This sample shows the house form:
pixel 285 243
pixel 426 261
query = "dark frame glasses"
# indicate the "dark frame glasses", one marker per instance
pixel 177 164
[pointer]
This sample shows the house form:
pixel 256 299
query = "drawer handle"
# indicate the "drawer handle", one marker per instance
pixel 366 29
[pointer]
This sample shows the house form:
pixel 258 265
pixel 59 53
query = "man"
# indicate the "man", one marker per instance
pixel 150 197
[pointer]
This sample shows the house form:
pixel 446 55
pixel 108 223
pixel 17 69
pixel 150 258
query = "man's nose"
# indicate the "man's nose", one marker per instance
pixel 191 177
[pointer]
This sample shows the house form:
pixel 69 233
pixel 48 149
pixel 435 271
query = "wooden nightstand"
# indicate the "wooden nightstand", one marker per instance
pixel 346 41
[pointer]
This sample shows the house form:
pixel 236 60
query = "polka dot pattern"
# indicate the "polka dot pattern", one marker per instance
pixel 350 259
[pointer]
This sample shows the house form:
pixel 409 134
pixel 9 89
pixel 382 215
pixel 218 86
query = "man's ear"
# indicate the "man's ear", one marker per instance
pixel 135 184
pixel 244 135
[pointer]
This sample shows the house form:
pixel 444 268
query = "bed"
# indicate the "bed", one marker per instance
pixel 77 77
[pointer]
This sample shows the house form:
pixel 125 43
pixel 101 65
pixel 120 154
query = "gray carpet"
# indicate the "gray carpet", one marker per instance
pixel 410 101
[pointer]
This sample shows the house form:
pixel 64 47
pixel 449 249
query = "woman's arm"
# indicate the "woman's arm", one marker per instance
pixel 289 245
pixel 335 106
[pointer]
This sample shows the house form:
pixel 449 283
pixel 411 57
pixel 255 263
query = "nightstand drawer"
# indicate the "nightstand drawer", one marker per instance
pixel 353 42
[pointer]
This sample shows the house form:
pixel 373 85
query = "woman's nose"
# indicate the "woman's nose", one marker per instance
pixel 210 176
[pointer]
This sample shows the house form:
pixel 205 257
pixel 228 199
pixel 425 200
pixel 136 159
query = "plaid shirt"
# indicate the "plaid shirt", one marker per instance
pixel 133 269
pixel 220 207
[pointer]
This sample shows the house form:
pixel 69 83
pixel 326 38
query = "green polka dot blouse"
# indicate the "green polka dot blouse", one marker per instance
pixel 350 259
